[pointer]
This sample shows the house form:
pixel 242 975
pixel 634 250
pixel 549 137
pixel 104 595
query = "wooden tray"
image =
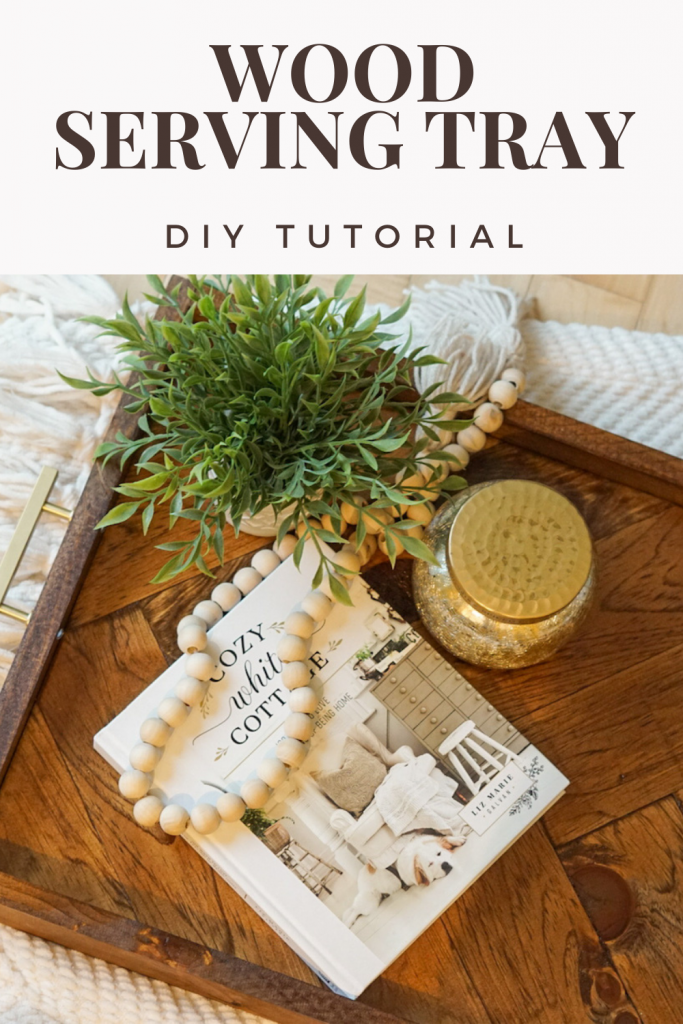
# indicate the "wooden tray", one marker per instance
pixel 579 921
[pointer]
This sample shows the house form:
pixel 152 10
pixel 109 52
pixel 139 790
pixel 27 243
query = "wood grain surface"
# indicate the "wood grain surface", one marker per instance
pixel 162 956
pixel 579 922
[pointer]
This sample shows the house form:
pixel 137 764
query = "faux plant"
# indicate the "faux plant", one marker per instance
pixel 257 821
pixel 271 393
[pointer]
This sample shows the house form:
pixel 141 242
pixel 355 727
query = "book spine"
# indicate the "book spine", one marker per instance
pixel 269 920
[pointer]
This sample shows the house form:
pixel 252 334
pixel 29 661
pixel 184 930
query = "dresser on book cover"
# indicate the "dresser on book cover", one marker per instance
pixel 432 700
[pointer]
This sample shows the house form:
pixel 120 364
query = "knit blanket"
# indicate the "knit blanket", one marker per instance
pixel 416 794
pixel 42 983
pixel 43 421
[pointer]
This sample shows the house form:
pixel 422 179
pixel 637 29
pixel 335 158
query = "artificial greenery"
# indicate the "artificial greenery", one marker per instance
pixel 257 821
pixel 271 393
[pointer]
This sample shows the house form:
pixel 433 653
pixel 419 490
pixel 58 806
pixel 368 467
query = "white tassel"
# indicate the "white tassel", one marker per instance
pixel 474 327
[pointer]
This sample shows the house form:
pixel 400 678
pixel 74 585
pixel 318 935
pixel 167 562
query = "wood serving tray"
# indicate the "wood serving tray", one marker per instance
pixel 579 922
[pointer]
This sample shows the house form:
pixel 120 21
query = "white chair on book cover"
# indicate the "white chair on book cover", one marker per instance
pixel 489 755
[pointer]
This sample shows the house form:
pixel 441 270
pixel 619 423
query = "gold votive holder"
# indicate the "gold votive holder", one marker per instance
pixel 515 574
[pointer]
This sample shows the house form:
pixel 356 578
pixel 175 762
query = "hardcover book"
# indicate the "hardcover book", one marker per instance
pixel 413 785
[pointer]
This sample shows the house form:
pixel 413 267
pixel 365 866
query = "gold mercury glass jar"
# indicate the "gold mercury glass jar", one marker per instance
pixel 515 575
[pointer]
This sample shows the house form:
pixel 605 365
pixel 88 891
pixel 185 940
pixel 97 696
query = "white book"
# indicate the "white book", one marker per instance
pixel 378 833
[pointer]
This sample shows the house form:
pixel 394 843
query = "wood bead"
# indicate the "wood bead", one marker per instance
pixel 304 700
pixel 226 596
pixel 347 559
pixel 349 513
pixel 435 471
pixel 317 605
pixel 209 611
pixel 460 453
pixel 148 811
pixel 299 624
pixel 292 648
pixel 299 727
pixel 327 523
pixel 503 393
pixel 272 771
pixel 326 588
pixel 380 519
pixel 173 819
pixel 421 514
pixel 472 438
pixel 191 620
pixel 516 377
pixel 247 579
pixel 416 532
pixel 310 524
pixel 205 819
pixel 371 543
pixel 145 757
pixel 134 784
pixel 431 492
pixel 173 711
pixel 384 548
pixel 230 806
pixel 255 793
pixel 155 731
pixel 265 561
pixel 200 666
pixel 412 482
pixel 192 638
pixel 488 417
pixel 295 674
pixel 291 752
pixel 362 550
pixel 286 546
pixel 190 691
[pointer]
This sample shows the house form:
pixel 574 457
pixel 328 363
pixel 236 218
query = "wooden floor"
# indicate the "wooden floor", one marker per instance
pixel 645 303
pixel 581 922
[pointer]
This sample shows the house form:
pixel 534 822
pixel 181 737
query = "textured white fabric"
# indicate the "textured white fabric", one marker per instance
pixel 43 421
pixel 627 382
pixel 43 983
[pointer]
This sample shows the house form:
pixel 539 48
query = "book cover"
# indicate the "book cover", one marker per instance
pixel 413 785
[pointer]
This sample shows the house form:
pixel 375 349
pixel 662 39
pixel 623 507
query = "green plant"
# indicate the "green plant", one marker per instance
pixel 363 653
pixel 271 393
pixel 257 821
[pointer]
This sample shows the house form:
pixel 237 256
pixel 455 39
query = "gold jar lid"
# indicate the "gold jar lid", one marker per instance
pixel 519 550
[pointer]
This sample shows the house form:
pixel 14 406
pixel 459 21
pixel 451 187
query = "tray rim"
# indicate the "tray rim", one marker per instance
pixel 120 940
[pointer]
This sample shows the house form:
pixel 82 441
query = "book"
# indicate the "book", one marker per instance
pixel 413 786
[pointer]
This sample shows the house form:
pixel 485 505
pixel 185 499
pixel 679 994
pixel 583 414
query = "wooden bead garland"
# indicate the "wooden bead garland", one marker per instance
pixel 190 690
pixel 136 782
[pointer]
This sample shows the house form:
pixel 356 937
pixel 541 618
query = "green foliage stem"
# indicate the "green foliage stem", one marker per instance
pixel 270 392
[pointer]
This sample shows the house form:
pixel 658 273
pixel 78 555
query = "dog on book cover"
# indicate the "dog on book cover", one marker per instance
pixel 372 823
pixel 373 828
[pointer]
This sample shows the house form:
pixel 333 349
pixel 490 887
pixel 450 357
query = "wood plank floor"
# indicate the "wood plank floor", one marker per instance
pixel 647 303
pixel 582 921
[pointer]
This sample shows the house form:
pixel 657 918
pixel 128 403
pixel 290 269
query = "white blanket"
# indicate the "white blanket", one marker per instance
pixel 417 795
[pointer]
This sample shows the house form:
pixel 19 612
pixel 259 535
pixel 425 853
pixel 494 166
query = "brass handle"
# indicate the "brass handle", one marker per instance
pixel 23 531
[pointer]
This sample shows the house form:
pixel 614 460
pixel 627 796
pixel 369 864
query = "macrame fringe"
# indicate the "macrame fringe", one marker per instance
pixel 43 421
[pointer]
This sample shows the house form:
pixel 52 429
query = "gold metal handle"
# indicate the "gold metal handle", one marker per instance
pixel 37 503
